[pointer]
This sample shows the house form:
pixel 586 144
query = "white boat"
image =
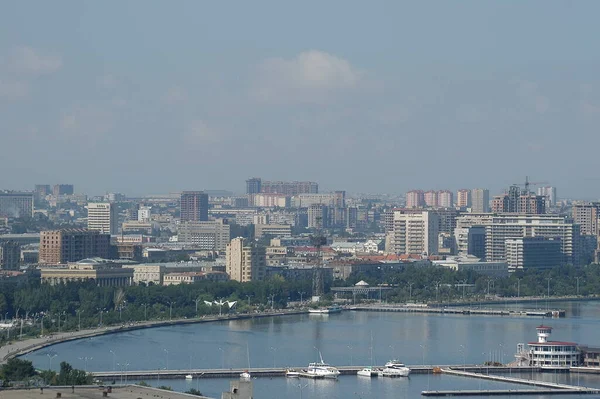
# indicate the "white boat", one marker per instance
pixel 368 372
pixel 291 373
pixel 320 370
pixel 394 368
pixel 329 310
pixel 189 377
pixel 245 376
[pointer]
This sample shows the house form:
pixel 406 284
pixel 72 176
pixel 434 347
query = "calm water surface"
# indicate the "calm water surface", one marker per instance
pixel 343 339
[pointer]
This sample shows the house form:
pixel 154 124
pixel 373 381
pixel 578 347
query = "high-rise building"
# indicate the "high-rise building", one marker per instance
pixel 463 198
pixel 205 236
pixel 289 188
pixel 447 218
pixel 245 260
pixel 587 215
pixel 513 199
pixel 531 204
pixel 445 199
pixel 41 191
pixel 430 198
pixel 318 216
pixel 415 199
pixel 253 185
pixel 533 253
pixel 480 200
pixel 329 199
pixel 103 217
pixel 194 206
pixel 549 193
pixel 144 214
pixel 10 255
pixel 16 204
pixel 72 245
pixel 415 232
pixel 62 189
pixel 499 228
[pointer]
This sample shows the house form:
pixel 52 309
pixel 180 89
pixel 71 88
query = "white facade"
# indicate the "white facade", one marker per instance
pixel 464 263
pixel 103 217
pixel 414 232
pixel 144 213
pixel 549 193
pixel 273 230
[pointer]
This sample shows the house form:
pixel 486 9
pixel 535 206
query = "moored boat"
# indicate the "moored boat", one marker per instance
pixel 394 368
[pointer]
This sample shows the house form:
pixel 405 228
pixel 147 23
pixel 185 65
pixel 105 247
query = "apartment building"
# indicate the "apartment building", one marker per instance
pixel 103 217
pixel 414 232
pixel 245 261
pixel 72 245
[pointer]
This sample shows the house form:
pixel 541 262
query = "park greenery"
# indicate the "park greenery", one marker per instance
pixel 22 372
pixel 48 309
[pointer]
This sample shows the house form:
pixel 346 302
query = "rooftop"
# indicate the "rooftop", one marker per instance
pixel 127 392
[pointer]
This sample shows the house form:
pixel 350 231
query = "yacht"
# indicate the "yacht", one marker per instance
pixel 320 370
pixel 368 372
pixel 394 368
pixel 329 310
pixel 189 377
pixel 245 376
pixel 291 373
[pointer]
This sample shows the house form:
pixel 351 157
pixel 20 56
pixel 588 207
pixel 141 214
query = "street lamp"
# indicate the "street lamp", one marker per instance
pixel 222 358
pixel 167 356
pixel 301 296
pixel 79 316
pixel 197 300
pixel 464 351
pixel 410 292
pixel 50 357
pixel 85 359
pixel 577 278
pixel 423 352
pixel 351 360
pixel 274 351
pixel 171 310
pixel 114 358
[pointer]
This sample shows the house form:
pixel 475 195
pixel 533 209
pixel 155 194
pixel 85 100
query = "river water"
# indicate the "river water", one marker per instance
pixel 343 339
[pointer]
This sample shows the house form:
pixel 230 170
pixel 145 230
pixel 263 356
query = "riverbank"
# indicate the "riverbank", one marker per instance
pixel 23 347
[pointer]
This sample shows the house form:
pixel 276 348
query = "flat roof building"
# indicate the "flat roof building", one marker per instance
pixel 72 245
pixel 16 204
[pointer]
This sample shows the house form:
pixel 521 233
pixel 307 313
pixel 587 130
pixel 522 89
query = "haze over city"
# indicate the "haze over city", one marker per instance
pixel 146 98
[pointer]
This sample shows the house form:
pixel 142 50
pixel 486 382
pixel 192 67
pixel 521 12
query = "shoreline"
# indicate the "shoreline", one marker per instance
pixel 19 348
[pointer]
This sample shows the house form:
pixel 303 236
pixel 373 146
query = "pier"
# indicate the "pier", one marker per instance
pixel 545 388
pixel 280 372
pixel 463 311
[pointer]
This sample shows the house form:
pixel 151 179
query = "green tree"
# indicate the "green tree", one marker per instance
pixel 194 391
pixel 70 376
pixel 16 369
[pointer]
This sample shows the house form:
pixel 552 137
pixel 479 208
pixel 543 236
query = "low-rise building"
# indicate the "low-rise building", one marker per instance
pixel 464 263
pixel 272 230
pixel 193 277
pixel 147 274
pixel 104 272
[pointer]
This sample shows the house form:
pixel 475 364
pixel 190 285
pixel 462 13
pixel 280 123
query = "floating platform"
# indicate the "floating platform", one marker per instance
pixel 465 311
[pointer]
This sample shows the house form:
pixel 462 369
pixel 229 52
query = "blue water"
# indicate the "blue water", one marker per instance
pixel 343 339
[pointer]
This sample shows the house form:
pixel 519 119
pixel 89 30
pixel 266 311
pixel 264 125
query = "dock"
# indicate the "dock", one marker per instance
pixel 463 311
pixel 280 372
pixel 545 388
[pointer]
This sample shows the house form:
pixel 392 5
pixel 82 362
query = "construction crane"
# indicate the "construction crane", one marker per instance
pixel 528 183
pixel 318 240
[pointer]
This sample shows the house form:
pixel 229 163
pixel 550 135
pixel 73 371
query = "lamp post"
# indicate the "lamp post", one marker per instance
pixel 85 360
pixel 145 311
pixel 274 351
pixel 79 321
pixel 50 357
pixel 171 310
pixel 167 356
pixel 351 359
pixel 301 296
pixel 222 358
pixel 464 351
pixel 114 358
pixel 301 387
pixel 577 278
pixel 248 298
pixel 423 346
pixel 197 300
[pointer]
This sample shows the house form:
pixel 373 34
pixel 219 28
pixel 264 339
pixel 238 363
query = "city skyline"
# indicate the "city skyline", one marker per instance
pixel 146 110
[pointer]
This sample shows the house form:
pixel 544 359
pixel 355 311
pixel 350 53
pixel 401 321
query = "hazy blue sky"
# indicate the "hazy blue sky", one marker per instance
pixel 158 96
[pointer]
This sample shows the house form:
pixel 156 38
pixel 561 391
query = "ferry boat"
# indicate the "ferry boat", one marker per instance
pixel 320 370
pixel 394 368
pixel 329 310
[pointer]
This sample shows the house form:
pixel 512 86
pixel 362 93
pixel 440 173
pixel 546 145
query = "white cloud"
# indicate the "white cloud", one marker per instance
pixel 306 77
pixel 31 61
pixel 13 89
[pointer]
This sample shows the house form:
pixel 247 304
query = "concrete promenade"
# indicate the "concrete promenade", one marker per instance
pixel 22 347
pixel 460 310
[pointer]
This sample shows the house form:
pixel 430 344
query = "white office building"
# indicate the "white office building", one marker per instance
pixel 414 232
pixel 103 217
